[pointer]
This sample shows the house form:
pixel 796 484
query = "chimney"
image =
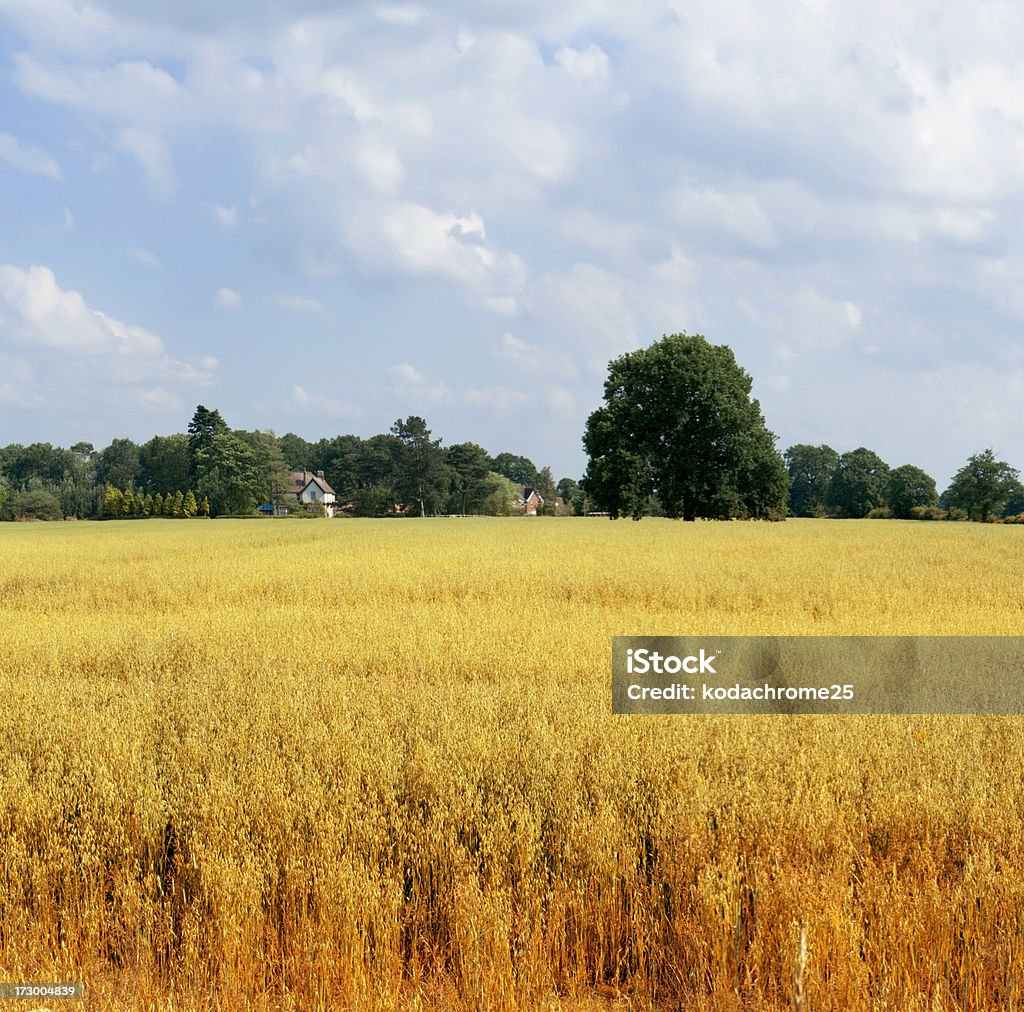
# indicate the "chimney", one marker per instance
pixel 319 474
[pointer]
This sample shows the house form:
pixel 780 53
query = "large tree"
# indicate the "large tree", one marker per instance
pixel 982 487
pixel 810 470
pixel 909 487
pixel 859 485
pixel 679 424
pixel 468 467
pixel 422 475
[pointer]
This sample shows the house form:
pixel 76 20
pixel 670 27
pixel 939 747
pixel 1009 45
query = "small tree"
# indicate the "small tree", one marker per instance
pixel 158 505
pixel 112 503
pixel 127 503
pixel 169 504
pixel 189 506
pixel 179 504
pixel 147 504
pixel 205 507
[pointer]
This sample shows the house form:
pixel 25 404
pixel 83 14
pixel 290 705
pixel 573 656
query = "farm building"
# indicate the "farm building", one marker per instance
pixel 531 502
pixel 306 487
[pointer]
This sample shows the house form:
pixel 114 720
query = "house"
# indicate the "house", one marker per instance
pixel 531 502
pixel 308 487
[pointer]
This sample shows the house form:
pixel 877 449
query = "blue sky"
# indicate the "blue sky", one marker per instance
pixel 319 221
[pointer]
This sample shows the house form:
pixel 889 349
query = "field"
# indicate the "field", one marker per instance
pixel 372 764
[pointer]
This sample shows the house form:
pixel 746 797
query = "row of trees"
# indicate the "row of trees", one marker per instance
pixel 128 503
pixel 234 470
pixel 679 435
pixel 824 483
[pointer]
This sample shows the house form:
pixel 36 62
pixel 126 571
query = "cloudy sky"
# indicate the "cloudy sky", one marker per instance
pixel 319 222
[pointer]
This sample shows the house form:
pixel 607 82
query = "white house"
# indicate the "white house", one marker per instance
pixel 311 487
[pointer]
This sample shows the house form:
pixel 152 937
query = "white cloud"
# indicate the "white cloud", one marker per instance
pixel 533 358
pixel 157 399
pixel 145 256
pixel 737 213
pixel 227 298
pixel 499 400
pixel 296 303
pixel 150 151
pixel 406 15
pixel 28 158
pixel 380 166
pixel 305 400
pixel 590 65
pixel 226 217
pixel 408 382
pixel 37 312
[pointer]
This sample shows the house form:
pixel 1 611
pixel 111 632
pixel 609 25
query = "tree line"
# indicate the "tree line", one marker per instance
pixel 224 471
pixel 824 483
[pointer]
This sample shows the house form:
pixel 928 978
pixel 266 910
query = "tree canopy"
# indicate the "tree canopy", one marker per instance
pixel 982 487
pixel 679 426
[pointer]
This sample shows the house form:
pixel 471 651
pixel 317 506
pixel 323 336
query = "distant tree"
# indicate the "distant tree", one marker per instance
pixel 204 507
pixel 299 455
pixel 498 501
pixel 468 465
pixel 37 504
pixel 679 424
pixel 567 488
pixel 1015 503
pixel 982 487
pixel 179 503
pixel 205 425
pixel 516 468
pixel 189 506
pixel 169 504
pixel 158 505
pixel 275 476
pixel 223 466
pixel 147 505
pixel 545 487
pixel 164 462
pixel 810 469
pixel 909 487
pixel 111 502
pixel 859 484
pixel 422 475
pixel 119 464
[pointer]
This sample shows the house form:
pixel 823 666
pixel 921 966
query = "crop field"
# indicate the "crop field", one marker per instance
pixel 372 765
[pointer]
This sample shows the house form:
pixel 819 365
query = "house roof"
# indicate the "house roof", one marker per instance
pixel 302 479
pixel 530 490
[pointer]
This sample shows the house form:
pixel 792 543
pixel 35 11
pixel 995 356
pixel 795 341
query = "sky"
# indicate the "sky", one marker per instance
pixel 320 217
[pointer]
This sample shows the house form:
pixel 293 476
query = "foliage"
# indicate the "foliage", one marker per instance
pixel 516 468
pixel 37 504
pixel 468 466
pixel 422 476
pixel 810 469
pixel 982 487
pixel 679 424
pixel 910 488
pixel 859 484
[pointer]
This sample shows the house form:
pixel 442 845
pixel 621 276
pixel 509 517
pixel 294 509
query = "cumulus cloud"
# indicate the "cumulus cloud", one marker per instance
pixel 36 312
pixel 150 151
pixel 227 298
pixel 296 303
pixel 28 158
pixel 307 401
pixel 408 382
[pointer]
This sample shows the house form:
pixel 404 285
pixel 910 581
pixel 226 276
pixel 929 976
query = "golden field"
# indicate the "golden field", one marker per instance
pixel 371 764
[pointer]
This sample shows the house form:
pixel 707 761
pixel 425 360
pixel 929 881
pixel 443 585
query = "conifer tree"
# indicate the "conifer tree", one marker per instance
pixel 147 505
pixel 127 503
pixel 179 503
pixel 189 507
pixel 158 505
pixel 205 507
pixel 169 504
pixel 112 502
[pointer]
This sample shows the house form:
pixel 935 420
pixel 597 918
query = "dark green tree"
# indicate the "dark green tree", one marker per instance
pixel 859 485
pixel 422 475
pixel 205 425
pixel 468 465
pixel 119 464
pixel 164 462
pixel 545 486
pixel 810 469
pixel 515 468
pixel 909 486
pixel 982 487
pixel 679 423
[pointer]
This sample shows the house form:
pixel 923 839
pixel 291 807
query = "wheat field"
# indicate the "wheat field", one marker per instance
pixel 372 765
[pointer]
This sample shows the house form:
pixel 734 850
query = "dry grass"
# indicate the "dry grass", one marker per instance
pixel 372 765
